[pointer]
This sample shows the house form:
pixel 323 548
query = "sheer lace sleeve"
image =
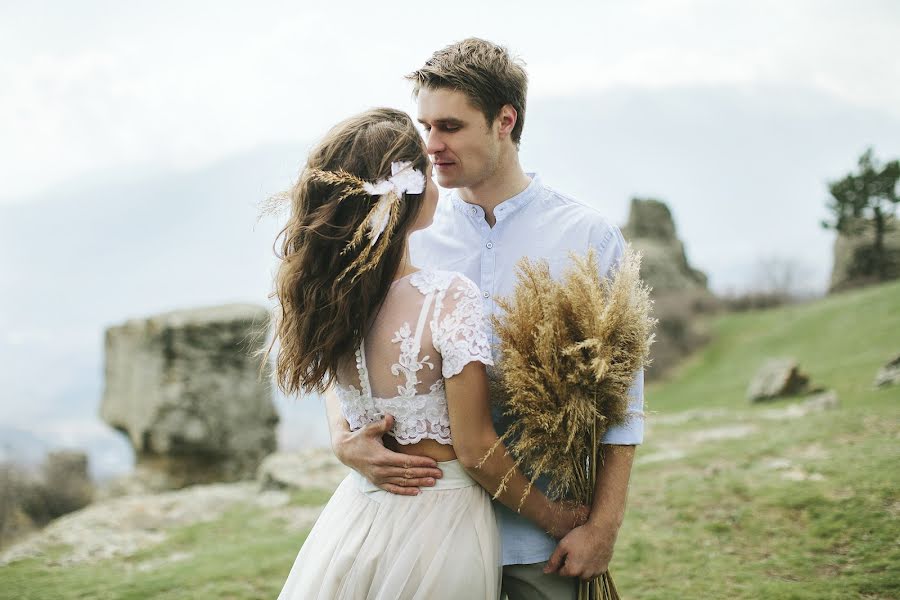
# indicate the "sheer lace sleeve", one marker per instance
pixel 459 328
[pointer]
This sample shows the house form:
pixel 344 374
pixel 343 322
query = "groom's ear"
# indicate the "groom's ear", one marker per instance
pixel 507 118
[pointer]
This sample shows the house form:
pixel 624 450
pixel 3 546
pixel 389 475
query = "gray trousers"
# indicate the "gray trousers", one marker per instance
pixel 528 582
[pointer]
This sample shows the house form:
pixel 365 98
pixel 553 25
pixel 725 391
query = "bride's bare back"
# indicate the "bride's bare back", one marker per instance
pixel 428 328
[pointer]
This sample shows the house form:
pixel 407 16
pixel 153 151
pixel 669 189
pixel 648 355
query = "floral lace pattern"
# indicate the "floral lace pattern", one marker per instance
pixel 459 335
pixel 419 417
pixel 430 282
pixel 409 361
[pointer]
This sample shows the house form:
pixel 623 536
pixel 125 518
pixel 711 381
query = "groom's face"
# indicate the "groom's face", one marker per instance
pixel 463 147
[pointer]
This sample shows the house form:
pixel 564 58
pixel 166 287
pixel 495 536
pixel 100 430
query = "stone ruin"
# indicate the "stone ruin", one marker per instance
pixel 185 388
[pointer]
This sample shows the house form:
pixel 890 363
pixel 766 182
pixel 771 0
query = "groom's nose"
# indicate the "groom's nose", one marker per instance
pixel 434 143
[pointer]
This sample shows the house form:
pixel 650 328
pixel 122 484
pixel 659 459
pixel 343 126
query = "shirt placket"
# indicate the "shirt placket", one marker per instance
pixel 486 276
pixel 489 237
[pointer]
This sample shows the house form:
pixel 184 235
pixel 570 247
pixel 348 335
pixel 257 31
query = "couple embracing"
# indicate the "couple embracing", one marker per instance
pixel 384 299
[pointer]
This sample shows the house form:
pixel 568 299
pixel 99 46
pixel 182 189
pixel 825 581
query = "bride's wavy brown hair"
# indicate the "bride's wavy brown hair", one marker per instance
pixel 331 283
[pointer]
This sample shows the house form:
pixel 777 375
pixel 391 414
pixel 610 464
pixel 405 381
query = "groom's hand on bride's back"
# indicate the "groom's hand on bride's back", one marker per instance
pixel 363 451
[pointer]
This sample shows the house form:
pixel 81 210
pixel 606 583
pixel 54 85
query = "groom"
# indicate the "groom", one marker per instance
pixel 471 104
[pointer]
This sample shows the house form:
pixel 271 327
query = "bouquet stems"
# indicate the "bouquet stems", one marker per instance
pixel 602 586
pixel 598 588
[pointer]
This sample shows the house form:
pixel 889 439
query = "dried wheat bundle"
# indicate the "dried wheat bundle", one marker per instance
pixel 570 351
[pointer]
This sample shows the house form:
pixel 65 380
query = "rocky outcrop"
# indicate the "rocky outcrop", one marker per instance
pixel 679 291
pixel 853 258
pixel 665 266
pixel 185 388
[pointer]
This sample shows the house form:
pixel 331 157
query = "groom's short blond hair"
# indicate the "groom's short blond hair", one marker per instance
pixel 482 70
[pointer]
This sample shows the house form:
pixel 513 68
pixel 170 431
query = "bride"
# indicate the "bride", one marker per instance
pixel 357 319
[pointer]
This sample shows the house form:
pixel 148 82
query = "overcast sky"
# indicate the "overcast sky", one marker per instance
pixel 94 86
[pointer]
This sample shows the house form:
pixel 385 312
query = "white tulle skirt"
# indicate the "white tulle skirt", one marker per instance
pixel 373 545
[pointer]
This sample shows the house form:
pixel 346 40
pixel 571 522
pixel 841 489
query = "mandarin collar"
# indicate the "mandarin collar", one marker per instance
pixel 505 208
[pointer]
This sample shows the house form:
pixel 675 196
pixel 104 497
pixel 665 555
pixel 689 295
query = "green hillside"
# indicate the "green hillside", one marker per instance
pixel 840 341
pixel 737 501
pixel 727 500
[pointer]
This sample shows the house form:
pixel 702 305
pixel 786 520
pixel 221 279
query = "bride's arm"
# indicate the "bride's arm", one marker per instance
pixel 474 436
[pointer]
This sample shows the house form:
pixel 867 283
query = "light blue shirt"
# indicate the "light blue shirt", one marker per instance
pixel 539 223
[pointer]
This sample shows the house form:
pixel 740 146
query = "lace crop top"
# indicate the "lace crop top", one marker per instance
pixel 400 369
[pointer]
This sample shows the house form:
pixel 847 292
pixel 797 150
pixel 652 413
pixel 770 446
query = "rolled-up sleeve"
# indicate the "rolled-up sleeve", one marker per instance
pixel 632 431
pixel 610 246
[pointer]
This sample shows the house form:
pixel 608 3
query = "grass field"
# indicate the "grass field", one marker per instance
pixel 727 500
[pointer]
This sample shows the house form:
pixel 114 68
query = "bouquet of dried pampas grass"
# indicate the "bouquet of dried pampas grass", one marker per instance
pixel 570 351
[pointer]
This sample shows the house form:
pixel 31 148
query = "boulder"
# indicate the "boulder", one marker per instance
pixel 889 374
pixel 310 469
pixel 186 389
pixel 776 378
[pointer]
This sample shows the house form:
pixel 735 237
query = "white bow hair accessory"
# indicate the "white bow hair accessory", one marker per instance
pixel 404 179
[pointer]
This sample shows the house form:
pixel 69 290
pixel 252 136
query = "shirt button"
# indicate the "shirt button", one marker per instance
pixel 474 211
pixel 485 294
pixel 489 245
